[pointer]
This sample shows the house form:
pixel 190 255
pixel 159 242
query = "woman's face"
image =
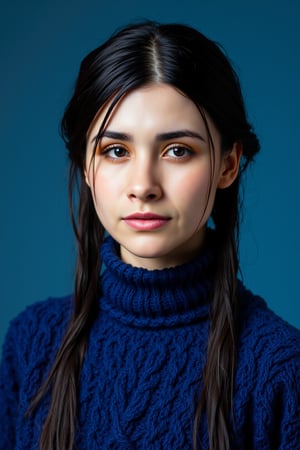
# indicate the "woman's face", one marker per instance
pixel 152 179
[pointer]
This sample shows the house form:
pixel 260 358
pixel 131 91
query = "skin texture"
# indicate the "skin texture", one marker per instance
pixel 143 170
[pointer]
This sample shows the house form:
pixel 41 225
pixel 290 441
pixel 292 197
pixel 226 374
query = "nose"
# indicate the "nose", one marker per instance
pixel 144 183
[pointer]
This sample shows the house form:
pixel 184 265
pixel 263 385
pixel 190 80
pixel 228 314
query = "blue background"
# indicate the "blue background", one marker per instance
pixel 41 45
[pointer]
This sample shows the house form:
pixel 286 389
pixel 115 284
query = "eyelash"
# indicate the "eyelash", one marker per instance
pixel 107 150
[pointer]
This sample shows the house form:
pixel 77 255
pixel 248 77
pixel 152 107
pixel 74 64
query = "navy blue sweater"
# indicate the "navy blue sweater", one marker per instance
pixel 141 376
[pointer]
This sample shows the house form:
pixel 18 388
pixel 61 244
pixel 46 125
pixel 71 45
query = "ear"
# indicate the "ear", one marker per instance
pixel 87 178
pixel 230 166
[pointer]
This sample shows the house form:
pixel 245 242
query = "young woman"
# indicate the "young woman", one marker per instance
pixel 160 346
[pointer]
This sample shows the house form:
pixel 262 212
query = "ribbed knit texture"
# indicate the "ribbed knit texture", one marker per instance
pixel 142 372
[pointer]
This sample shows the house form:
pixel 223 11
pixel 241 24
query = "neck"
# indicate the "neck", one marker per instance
pixel 169 296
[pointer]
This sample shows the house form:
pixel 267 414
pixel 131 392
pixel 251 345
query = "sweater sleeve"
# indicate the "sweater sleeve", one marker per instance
pixel 29 348
pixel 281 418
pixel 267 406
pixel 10 369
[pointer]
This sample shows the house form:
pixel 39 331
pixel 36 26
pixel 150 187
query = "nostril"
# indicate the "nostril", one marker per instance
pixel 151 196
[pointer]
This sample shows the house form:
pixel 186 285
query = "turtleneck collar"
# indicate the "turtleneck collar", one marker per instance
pixel 156 298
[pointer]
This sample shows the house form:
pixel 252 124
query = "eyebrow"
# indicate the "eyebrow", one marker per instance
pixel 159 137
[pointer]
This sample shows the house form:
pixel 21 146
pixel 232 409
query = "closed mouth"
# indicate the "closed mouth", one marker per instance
pixel 146 221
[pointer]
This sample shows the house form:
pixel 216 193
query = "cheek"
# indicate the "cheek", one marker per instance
pixel 100 190
pixel 106 195
pixel 192 189
pixel 101 186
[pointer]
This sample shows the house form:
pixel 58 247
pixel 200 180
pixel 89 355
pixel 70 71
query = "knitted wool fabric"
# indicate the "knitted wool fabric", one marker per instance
pixel 141 376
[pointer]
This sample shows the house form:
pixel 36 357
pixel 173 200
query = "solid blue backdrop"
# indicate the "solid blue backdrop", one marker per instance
pixel 41 45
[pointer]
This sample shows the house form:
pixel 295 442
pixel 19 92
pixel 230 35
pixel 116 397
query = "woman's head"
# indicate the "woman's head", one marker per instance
pixel 175 55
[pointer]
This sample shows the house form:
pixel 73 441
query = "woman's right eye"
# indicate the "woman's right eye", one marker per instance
pixel 115 152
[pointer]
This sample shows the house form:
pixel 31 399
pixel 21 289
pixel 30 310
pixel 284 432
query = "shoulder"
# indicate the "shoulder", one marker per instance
pixel 38 326
pixel 268 346
pixel 257 321
pixel 46 314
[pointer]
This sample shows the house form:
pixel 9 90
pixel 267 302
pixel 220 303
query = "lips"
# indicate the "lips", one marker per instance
pixel 146 221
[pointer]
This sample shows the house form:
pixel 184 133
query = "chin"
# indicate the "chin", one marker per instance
pixel 150 258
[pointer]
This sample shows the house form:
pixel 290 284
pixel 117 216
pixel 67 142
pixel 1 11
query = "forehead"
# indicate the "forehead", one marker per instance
pixel 153 108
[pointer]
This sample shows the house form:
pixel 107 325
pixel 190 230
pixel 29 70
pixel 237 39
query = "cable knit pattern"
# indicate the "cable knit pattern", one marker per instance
pixel 142 373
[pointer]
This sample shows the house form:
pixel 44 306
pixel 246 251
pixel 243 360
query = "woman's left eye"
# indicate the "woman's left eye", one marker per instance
pixel 178 151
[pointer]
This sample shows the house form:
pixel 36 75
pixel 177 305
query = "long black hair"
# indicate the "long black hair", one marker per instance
pixel 133 57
